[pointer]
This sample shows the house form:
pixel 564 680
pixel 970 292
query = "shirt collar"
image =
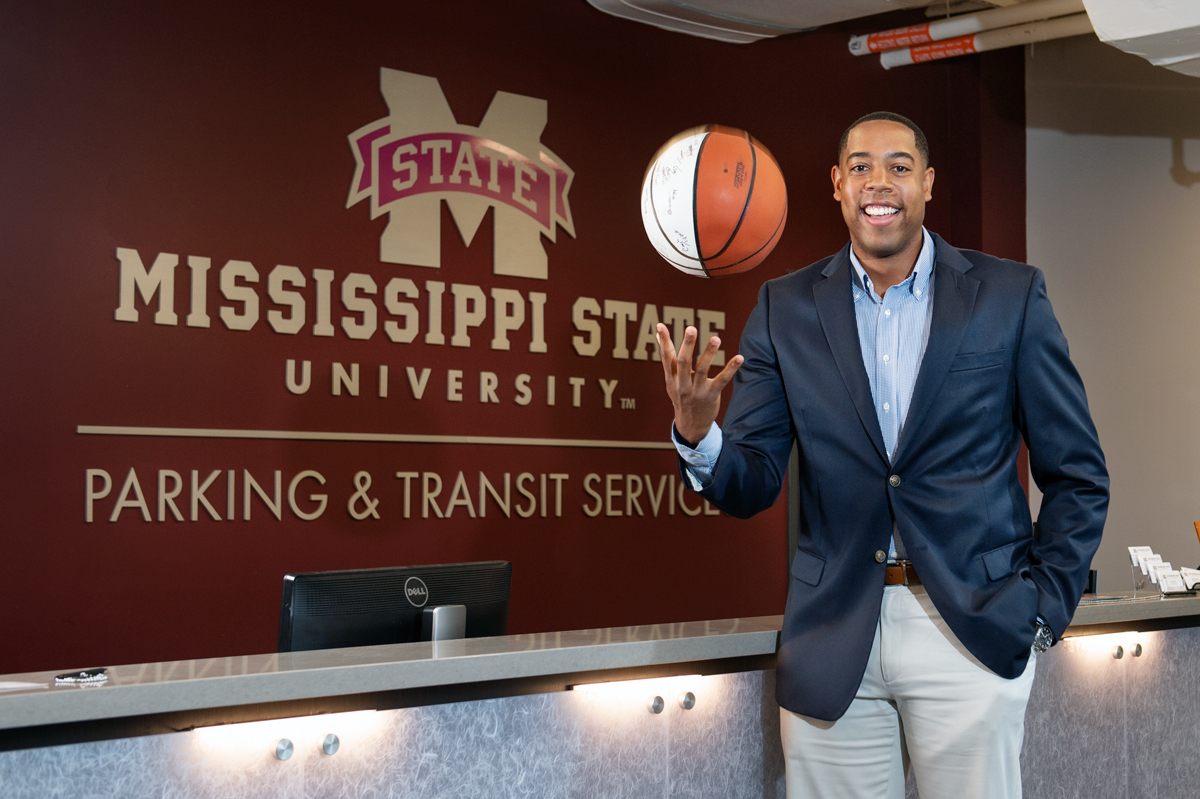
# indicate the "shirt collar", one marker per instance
pixel 918 281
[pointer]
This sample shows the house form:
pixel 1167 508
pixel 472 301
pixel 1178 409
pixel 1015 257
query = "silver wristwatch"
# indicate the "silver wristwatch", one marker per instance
pixel 1043 639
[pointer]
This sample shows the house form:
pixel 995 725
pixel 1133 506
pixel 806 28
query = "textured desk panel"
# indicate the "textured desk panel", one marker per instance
pixel 568 744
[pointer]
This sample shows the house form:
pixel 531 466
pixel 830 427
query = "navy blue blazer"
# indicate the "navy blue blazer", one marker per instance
pixel 996 369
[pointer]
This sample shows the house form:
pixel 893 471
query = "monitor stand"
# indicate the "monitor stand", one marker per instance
pixel 444 623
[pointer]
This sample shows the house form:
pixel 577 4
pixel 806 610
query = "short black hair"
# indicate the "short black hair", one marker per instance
pixel 888 116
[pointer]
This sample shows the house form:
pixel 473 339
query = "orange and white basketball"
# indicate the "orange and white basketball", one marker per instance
pixel 713 201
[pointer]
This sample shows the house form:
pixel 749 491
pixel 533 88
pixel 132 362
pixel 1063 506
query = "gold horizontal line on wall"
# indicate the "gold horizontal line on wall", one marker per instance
pixel 386 438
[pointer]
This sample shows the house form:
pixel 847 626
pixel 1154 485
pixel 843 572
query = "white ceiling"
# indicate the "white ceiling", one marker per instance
pixel 744 21
pixel 1164 32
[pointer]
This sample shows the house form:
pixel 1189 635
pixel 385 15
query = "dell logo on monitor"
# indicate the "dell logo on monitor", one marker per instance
pixel 416 592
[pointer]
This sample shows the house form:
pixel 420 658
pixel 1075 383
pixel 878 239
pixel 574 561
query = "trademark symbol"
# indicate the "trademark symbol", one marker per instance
pixel 627 403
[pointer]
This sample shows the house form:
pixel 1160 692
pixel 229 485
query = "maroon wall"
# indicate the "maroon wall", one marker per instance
pixel 220 130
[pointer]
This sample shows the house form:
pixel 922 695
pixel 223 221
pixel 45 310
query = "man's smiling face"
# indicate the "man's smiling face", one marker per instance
pixel 882 184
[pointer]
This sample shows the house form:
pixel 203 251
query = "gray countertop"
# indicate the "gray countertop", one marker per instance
pixel 179 687
pixel 1124 609
pixel 156 688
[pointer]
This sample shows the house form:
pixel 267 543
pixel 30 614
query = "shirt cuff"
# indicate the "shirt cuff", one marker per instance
pixel 699 462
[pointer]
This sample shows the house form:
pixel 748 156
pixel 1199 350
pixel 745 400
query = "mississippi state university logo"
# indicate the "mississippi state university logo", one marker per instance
pixel 419 155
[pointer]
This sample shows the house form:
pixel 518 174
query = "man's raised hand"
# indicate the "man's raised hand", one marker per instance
pixel 696 396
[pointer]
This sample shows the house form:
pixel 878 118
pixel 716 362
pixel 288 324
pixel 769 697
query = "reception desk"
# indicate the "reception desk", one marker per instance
pixel 565 714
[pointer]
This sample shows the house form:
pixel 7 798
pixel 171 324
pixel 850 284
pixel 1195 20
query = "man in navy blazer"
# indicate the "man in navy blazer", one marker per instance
pixel 917 520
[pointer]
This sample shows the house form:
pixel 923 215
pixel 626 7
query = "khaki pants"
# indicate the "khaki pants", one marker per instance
pixel 926 703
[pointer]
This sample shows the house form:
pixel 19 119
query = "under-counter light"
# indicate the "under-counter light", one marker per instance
pixel 648 694
pixel 285 737
pixel 637 688
pixel 1112 644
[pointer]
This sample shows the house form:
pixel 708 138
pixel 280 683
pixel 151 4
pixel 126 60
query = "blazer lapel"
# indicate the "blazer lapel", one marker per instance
pixel 835 307
pixel 953 301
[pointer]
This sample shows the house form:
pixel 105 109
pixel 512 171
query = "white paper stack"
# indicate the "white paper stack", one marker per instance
pixel 1191 577
pixel 1160 573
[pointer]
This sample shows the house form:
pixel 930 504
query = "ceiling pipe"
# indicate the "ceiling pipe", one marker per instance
pixel 1059 28
pixel 962 26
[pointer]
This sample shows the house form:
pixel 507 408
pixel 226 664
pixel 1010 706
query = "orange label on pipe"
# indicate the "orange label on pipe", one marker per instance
pixel 962 45
pixel 898 37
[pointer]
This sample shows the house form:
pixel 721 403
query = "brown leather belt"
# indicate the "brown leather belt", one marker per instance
pixel 901 573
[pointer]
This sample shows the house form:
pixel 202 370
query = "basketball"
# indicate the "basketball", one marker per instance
pixel 713 201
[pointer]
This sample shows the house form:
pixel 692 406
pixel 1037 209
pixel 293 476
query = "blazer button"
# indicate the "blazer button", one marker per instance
pixel 880 556
pixel 894 480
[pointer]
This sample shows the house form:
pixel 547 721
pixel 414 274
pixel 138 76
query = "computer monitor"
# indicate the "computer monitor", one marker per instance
pixel 362 607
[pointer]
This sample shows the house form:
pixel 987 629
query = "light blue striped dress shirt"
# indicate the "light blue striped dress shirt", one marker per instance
pixel 893 332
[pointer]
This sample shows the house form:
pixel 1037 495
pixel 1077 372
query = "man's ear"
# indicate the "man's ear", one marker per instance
pixel 836 176
pixel 928 183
